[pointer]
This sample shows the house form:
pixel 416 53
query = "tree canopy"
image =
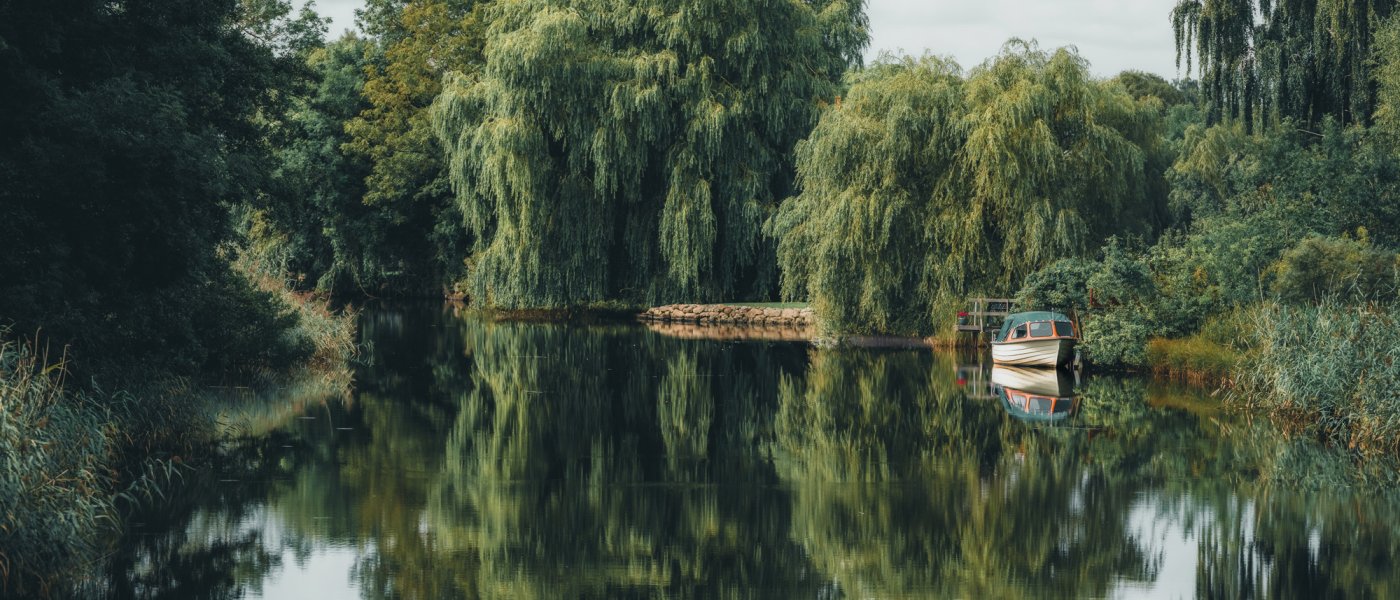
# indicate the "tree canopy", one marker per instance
pixel 925 185
pixel 1266 60
pixel 632 151
pixel 127 130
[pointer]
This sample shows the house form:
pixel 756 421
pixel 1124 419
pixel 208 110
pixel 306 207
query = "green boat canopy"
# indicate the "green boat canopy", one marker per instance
pixel 1015 319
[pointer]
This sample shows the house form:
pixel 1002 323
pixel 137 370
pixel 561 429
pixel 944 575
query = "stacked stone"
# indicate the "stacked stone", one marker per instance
pixel 727 315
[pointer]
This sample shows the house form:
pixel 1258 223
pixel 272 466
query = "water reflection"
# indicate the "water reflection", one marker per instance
pixel 487 459
pixel 1035 395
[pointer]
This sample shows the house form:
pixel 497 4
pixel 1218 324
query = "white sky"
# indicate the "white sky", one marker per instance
pixel 1112 34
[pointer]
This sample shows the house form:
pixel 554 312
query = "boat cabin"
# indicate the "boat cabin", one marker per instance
pixel 1040 325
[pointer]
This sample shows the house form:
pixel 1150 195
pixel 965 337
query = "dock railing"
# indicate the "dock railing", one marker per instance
pixel 984 316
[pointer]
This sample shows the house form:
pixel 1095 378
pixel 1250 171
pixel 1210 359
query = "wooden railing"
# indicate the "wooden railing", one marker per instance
pixel 985 315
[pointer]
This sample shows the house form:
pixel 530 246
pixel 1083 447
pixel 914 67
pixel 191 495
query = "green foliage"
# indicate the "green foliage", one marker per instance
pixel 1194 358
pixel 855 241
pixel 411 229
pixel 1386 74
pixel 633 151
pixel 1117 338
pixel 1341 269
pixel 1329 369
pixel 1214 354
pixel 312 226
pixel 1141 84
pixel 1114 298
pixel 1063 286
pixel 55 482
pixel 924 186
pixel 1244 203
pixel 130 129
pixel 1263 61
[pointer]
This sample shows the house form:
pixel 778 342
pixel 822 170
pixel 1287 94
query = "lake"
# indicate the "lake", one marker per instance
pixel 529 460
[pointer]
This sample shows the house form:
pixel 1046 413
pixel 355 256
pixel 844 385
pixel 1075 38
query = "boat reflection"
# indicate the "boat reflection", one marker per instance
pixel 1036 395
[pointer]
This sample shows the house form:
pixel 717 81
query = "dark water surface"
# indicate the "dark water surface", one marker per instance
pixel 515 460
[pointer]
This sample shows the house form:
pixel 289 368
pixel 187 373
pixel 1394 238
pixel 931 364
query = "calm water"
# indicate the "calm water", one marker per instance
pixel 480 459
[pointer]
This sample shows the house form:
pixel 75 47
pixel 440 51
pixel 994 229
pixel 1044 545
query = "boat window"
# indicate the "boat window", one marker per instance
pixel 1019 332
pixel 1041 329
pixel 1063 328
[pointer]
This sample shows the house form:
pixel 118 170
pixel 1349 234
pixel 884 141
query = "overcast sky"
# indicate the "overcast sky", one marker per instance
pixel 1113 34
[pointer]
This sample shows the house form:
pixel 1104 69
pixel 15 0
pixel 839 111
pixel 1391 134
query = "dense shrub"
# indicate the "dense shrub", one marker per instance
pixel 1349 270
pixel 1114 298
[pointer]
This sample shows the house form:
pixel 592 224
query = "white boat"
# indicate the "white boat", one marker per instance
pixel 1038 339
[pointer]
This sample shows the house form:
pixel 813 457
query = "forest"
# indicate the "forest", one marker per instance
pixel 199 191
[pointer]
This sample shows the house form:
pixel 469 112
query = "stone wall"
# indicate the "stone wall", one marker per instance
pixel 736 332
pixel 726 314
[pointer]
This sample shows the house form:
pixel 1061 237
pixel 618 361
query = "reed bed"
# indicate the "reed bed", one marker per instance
pixel 1327 371
pixel 56 482
pixel 1194 359
pixel 1211 356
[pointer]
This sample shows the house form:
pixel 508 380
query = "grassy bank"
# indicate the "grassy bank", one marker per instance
pixel 1193 359
pixel 1326 371
pixel 76 456
pixel 1212 356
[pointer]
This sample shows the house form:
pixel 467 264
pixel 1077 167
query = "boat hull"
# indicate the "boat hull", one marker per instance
pixel 1034 353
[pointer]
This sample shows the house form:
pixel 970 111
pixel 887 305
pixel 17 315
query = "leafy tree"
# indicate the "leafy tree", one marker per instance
pixel 312 225
pixel 1140 84
pixel 924 186
pixel 129 130
pixel 415 228
pixel 632 151
pixel 1262 61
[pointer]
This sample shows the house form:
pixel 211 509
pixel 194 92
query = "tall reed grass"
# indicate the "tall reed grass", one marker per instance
pixel 1211 356
pixel 1328 371
pixel 57 452
pixel 327 336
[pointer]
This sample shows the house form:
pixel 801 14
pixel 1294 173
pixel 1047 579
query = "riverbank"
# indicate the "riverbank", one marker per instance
pixel 77 458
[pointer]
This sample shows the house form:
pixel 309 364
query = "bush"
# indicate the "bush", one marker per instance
pixel 1118 337
pixel 1113 296
pixel 1349 270
pixel 1063 285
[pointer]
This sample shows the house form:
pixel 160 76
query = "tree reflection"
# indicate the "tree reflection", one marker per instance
pixel 488 459
pixel 591 463
pixel 904 487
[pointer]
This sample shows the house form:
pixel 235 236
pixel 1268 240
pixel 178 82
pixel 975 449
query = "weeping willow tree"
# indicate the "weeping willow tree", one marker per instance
pixel 925 185
pixel 1264 60
pixel 632 151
